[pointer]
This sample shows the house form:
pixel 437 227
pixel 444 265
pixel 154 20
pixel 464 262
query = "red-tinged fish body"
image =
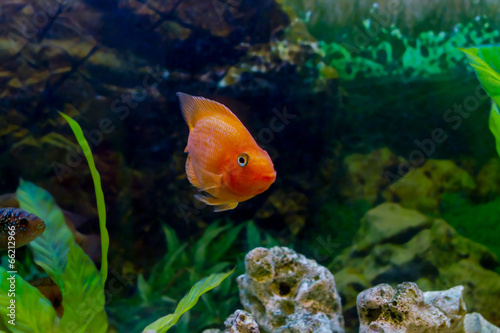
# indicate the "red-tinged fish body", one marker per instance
pixel 224 160
pixel 18 227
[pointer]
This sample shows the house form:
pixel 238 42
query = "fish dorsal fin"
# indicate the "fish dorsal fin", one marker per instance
pixel 193 108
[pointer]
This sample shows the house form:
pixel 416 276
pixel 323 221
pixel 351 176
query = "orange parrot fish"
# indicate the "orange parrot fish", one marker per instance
pixel 224 161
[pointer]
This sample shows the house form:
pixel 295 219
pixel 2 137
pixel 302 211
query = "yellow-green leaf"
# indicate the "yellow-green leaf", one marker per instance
pixel 33 312
pixel 56 251
pixel 495 124
pixel 486 62
pixel 96 178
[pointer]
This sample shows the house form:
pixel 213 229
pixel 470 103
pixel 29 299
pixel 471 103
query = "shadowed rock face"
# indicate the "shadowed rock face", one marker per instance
pixel 285 292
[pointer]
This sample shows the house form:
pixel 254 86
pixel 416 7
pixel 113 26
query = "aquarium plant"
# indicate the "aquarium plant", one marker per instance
pixel 81 285
pixel 486 62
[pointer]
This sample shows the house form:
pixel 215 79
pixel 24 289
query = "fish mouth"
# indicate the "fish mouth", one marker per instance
pixel 268 177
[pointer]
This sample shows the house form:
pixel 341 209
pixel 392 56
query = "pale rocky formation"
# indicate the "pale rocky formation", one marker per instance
pixel 475 323
pixel 395 244
pixel 408 309
pixel 239 322
pixel 286 292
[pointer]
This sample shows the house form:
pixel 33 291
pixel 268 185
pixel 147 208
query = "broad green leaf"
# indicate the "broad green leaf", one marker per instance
pixel 163 324
pixel 495 124
pixel 101 207
pixel 33 312
pixel 486 62
pixel 56 251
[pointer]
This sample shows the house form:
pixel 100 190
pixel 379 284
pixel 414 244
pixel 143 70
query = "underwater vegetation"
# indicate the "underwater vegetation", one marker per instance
pixel 335 96
pixel 486 63
pixel 458 211
pixel 67 265
pixel 82 287
pixel 390 54
pixel 221 245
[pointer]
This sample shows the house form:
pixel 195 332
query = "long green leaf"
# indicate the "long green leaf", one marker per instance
pixel 187 302
pixel 33 312
pixel 495 124
pixel 486 62
pixel 56 251
pixel 101 207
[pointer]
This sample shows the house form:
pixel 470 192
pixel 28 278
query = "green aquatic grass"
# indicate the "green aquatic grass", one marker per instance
pixel 101 206
pixel 34 313
pixel 56 251
pixel 163 324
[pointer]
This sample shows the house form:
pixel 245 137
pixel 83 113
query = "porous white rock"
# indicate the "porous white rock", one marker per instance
pixel 286 292
pixel 409 310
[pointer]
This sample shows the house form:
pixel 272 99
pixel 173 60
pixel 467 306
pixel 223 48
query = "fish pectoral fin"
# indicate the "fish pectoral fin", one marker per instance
pixel 210 181
pixel 190 173
pixel 220 205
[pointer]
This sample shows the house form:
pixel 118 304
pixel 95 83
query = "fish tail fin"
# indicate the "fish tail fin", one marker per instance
pixel 220 205
pixel 193 108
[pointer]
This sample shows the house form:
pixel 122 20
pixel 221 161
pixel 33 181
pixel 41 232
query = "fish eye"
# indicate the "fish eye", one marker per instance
pixel 242 159
pixel 24 222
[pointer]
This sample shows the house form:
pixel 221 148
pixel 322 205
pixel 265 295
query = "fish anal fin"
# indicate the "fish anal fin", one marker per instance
pixel 226 206
pixel 220 205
